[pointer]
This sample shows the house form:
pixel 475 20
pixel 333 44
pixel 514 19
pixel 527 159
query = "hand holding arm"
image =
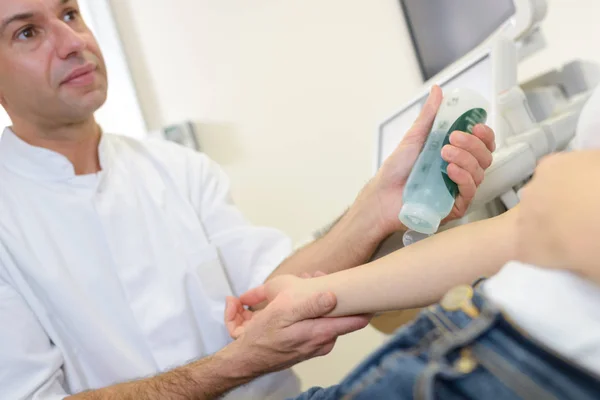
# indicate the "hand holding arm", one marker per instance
pixel 415 276
pixel 285 333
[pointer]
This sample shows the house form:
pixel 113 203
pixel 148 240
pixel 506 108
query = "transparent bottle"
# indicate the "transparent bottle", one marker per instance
pixel 429 193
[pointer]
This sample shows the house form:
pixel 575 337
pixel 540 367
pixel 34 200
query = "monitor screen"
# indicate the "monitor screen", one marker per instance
pixel 477 76
pixel 443 31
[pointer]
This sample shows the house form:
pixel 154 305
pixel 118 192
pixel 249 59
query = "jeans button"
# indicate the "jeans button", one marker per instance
pixel 454 299
pixel 459 298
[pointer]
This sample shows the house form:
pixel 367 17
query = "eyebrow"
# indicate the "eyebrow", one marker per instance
pixel 23 17
pixel 17 17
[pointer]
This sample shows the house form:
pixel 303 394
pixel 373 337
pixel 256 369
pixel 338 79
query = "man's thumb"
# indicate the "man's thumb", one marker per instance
pixel 424 122
pixel 254 297
pixel 315 306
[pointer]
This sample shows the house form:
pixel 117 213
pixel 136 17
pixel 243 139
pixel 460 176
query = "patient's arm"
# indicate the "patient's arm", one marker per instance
pixel 415 276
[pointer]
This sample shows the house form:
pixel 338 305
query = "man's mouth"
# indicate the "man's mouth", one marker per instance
pixel 81 76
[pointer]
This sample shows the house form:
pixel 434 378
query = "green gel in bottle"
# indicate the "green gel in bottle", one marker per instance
pixel 429 193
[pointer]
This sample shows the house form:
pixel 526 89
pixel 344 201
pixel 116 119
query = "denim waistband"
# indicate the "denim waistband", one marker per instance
pixel 473 333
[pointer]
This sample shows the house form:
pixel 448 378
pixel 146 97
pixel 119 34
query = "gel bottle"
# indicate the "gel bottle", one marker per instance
pixel 429 193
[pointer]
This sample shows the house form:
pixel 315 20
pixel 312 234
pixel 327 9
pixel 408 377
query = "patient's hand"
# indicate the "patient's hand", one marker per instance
pixel 237 316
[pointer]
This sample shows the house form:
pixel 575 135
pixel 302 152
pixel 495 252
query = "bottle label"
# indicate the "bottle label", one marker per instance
pixel 464 123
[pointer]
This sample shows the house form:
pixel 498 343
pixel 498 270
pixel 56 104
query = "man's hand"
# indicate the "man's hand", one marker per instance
pixel 289 330
pixel 354 238
pixel 468 157
pixel 558 224
pixel 237 317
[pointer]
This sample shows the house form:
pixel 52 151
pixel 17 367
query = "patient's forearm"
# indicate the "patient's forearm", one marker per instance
pixel 420 274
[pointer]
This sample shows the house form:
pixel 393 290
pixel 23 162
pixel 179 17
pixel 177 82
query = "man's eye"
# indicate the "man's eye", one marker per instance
pixel 71 16
pixel 27 33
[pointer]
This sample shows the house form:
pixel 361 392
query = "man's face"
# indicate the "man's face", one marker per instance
pixel 51 68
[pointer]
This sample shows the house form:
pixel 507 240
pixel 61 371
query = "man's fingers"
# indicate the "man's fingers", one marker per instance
pixel 237 331
pixel 351 324
pixel 314 306
pixel 318 274
pixel 231 314
pixel 236 317
pixel 230 308
pixel 486 135
pixel 246 315
pixel 327 329
pixel 473 145
pixel 326 348
pixel 464 180
pixel 464 160
pixel 254 297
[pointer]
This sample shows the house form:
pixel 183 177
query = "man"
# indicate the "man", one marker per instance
pixel 116 256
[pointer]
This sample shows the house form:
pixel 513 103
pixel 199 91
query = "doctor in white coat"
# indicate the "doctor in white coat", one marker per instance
pixel 116 255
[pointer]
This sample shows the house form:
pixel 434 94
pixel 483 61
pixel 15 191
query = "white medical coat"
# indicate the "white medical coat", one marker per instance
pixel 114 276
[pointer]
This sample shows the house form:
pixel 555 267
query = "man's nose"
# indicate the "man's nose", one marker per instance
pixel 68 42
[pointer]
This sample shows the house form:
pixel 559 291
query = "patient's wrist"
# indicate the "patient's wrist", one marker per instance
pixel 306 287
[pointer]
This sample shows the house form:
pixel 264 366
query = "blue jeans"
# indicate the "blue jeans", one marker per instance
pixel 463 348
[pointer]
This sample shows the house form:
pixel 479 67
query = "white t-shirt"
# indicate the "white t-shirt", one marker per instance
pixel 114 276
pixel 558 308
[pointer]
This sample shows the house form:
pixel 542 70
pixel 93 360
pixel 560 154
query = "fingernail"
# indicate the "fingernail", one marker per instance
pixel 459 137
pixel 326 300
pixel 448 151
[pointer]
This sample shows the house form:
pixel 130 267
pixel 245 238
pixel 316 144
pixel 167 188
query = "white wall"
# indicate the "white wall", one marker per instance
pixel 288 95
